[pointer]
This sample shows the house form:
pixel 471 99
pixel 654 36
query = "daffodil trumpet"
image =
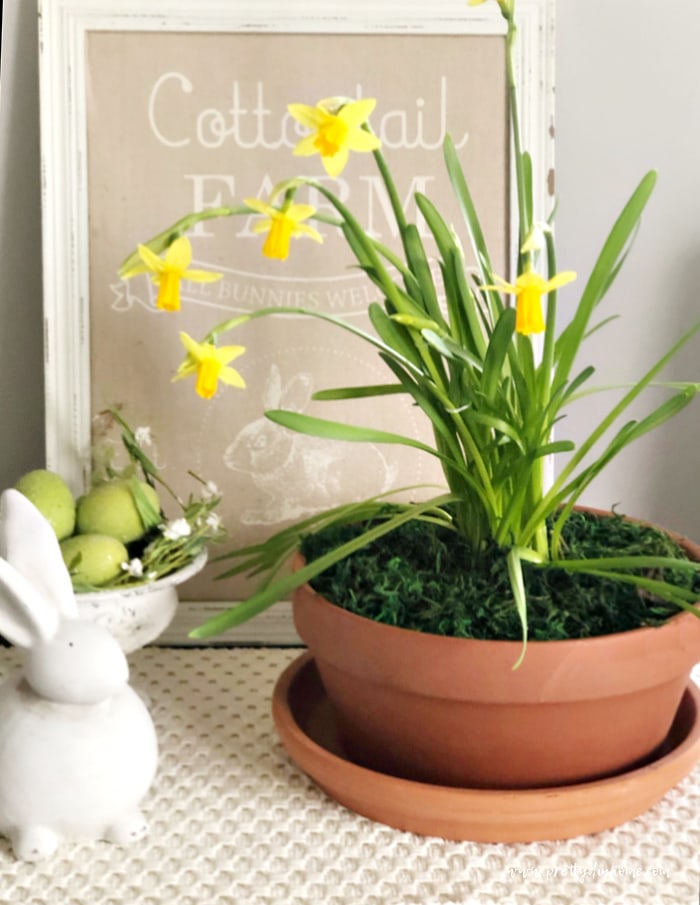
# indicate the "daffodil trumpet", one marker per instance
pixel 338 127
pixel 170 270
pixel 282 224
pixel 528 290
pixel 210 364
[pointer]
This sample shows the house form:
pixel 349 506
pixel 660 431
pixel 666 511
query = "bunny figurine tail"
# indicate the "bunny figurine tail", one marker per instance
pixel 78 749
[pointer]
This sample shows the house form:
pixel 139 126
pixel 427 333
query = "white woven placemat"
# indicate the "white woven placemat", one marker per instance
pixel 233 822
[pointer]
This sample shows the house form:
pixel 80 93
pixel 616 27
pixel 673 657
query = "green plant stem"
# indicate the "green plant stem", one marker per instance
pixel 390 186
pixel 601 429
pixel 160 242
pixel 524 225
pixel 396 300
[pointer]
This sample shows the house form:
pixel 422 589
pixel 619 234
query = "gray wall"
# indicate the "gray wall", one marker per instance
pixel 21 359
pixel 628 99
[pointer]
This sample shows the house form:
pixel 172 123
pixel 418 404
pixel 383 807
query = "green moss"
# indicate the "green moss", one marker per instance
pixel 421 577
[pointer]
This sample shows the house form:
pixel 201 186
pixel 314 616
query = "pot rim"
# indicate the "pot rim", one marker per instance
pixel 691 547
pixel 551 671
pixel 562 643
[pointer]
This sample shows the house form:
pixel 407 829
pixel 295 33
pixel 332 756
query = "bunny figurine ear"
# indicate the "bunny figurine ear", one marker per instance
pixel 25 618
pixel 29 544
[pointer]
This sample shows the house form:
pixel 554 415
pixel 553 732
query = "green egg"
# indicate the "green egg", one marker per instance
pixel 110 508
pixel 52 497
pixel 100 561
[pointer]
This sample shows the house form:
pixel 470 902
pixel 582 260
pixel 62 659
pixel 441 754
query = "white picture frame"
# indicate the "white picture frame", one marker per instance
pixel 65 27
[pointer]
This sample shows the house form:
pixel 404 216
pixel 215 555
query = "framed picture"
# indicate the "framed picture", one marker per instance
pixel 154 108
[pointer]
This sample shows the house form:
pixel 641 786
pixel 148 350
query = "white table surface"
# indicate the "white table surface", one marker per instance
pixel 234 822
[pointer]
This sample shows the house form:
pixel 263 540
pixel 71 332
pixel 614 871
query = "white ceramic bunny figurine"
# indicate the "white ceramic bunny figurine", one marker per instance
pixel 78 749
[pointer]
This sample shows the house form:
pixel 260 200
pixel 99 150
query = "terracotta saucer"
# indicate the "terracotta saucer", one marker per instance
pixel 306 726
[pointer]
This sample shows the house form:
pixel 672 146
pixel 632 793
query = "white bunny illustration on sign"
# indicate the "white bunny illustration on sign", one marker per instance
pixel 78 748
pixel 295 474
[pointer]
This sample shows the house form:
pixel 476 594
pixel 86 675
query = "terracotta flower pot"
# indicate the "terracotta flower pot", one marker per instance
pixel 454 712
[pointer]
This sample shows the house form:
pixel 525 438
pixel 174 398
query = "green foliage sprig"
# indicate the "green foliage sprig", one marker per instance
pixel 171 541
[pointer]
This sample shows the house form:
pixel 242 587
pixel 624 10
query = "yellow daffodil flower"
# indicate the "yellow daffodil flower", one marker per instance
pixel 337 131
pixel 169 271
pixel 210 364
pixel 281 224
pixel 528 291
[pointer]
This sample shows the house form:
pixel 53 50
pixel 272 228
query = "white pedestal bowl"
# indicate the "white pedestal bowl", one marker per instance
pixel 137 615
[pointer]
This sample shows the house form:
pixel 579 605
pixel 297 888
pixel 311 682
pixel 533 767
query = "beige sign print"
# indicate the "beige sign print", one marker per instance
pixel 203 122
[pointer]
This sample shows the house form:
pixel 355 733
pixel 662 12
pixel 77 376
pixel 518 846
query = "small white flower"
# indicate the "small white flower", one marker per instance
pixel 213 521
pixel 143 436
pixel 134 567
pixel 209 491
pixel 176 529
